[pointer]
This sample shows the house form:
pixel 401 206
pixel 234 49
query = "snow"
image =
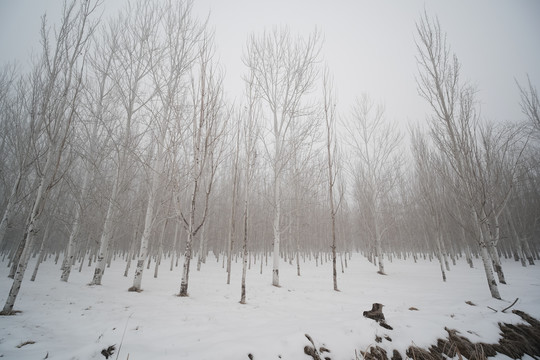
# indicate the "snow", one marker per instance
pixel 76 321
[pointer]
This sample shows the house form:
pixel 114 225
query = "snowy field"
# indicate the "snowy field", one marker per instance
pixel 76 321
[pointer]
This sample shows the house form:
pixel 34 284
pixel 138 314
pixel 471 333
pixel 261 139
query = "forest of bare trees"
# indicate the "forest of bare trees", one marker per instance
pixel 121 142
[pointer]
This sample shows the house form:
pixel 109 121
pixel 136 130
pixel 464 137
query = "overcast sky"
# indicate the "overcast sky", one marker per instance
pixel 369 45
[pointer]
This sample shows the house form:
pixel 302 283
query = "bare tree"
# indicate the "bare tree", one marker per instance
pixel 204 137
pixel 430 190
pixel 376 144
pixel 250 135
pixel 284 71
pixel 132 39
pixel 523 212
pixel 331 153
pixel 232 219
pixel 169 73
pixel 49 218
pixel 306 179
pixel 454 118
pixel 59 85
pixel 502 150
pixel 19 131
pixel 473 151
pixel 92 136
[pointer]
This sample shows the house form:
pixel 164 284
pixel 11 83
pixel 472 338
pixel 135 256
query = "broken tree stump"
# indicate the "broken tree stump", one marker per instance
pixel 376 314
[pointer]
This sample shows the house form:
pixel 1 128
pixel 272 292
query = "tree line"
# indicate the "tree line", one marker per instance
pixel 120 141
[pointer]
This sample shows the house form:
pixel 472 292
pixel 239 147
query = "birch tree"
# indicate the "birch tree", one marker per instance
pixel 250 135
pixel 331 154
pixel 169 76
pixel 453 118
pixel 454 127
pixel 502 152
pixel 8 122
pixel 523 212
pixel 232 219
pixel 376 145
pixel 19 131
pixel 430 190
pixel 59 84
pixel 50 215
pixel 93 137
pixel 204 147
pixel 132 40
pixel 284 70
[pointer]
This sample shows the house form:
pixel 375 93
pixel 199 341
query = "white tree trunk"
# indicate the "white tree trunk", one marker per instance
pixel 84 251
pixel 440 254
pixel 30 235
pixel 528 252
pixel 160 249
pixel 131 252
pixel 492 246
pixel 107 234
pixel 15 258
pixel 250 149
pixel 495 258
pixel 245 243
pixel 486 260
pixel 297 243
pixel 4 224
pixel 149 218
pixel 202 246
pixel 145 239
pixel 444 252
pixel 41 251
pixel 189 241
pixel 70 250
pixel 378 240
pixel 232 222
pixel 277 218
pixel 493 288
pixel 173 252
pixel 330 153
pixel 185 271
pixel 21 268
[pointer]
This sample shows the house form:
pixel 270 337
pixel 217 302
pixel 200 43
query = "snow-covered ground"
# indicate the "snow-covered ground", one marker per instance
pixel 76 321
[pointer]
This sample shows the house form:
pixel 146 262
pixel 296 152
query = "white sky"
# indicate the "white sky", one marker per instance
pixel 369 45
